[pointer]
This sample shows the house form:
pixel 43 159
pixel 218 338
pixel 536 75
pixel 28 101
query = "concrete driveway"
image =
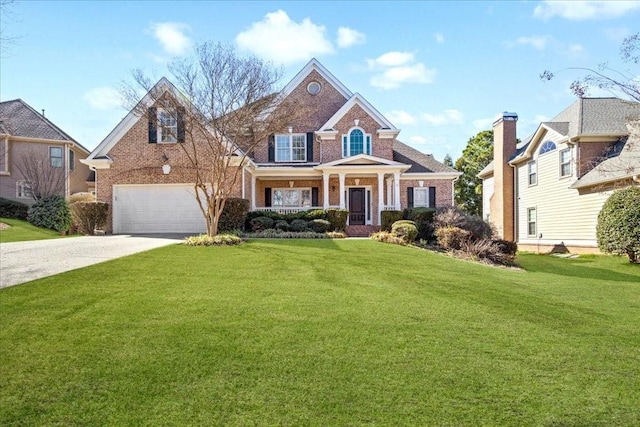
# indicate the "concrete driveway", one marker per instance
pixel 22 262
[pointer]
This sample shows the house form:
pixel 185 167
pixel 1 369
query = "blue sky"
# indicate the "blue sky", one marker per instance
pixel 440 71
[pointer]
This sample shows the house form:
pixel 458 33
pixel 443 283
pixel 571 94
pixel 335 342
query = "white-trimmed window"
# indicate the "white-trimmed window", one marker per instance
pixel 72 160
pixel 532 171
pixel 565 162
pixel 356 142
pixel 23 190
pixel 421 197
pixel 167 127
pixel 291 197
pixel 56 157
pixel 291 147
pixel 532 226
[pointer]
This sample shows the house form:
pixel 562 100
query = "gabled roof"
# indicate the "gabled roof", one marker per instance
pixel 361 159
pixel 315 65
pixel 420 162
pixel 358 99
pixel 19 119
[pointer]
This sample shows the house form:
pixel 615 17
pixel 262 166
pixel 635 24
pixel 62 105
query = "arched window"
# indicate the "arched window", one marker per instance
pixel 547 146
pixel 356 142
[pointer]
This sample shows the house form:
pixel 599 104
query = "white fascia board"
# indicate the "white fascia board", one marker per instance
pixel 359 100
pixel 388 133
pixel 97 163
pixel 314 64
pixel 327 135
pixel 430 175
pixel 348 161
pixel 284 171
pixel 362 169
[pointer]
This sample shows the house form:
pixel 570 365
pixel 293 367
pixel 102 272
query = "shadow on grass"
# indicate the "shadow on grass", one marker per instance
pixel 584 267
pixel 297 243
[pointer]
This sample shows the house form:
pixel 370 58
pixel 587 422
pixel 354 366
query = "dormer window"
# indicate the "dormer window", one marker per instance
pixel 166 125
pixel 356 142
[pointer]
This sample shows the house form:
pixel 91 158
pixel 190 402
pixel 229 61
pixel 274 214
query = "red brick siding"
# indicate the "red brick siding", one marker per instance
pixel 444 195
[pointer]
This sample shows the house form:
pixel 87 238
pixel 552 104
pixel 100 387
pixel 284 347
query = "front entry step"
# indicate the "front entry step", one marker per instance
pixel 361 230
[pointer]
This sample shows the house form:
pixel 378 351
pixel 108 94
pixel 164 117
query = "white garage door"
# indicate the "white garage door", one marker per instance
pixel 156 209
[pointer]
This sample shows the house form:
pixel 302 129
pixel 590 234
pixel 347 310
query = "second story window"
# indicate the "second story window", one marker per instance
pixel 167 127
pixel 533 172
pixel 565 162
pixel 356 142
pixel 291 147
pixel 72 160
pixel 55 157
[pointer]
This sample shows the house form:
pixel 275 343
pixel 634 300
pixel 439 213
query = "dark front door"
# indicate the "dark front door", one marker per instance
pixel 357 206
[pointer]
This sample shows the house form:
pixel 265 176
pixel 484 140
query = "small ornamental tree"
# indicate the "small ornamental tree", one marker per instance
pixel 618 229
pixel 51 212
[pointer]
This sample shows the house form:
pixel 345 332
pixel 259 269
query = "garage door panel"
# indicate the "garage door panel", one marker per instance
pixel 157 209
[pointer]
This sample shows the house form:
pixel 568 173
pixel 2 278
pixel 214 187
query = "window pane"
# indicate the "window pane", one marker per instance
pixel 565 163
pixel 299 147
pixel 168 126
pixel 420 197
pixel 55 155
pixel 283 150
pixel 292 197
pixel 277 198
pixel 306 198
pixel 356 142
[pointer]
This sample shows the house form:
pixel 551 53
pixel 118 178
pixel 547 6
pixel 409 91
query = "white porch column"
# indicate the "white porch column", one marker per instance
pixel 343 204
pixel 380 196
pixel 389 192
pixel 325 190
pixel 396 190
pixel 253 192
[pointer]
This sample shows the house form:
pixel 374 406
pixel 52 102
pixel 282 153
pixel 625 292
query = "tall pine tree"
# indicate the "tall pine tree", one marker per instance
pixel 468 188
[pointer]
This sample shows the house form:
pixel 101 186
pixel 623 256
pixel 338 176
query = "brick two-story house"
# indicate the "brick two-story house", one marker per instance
pixel 342 153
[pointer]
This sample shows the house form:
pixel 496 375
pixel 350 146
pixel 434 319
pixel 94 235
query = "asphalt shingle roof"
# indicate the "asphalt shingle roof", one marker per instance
pixel 17 118
pixel 420 162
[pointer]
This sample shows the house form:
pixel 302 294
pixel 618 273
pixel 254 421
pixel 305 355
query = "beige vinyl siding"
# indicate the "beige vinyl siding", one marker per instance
pixel 487 193
pixel 562 213
pixel 78 176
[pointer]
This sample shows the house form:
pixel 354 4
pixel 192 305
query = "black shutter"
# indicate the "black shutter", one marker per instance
pixel 310 148
pixel 314 196
pixel 180 136
pixel 153 125
pixel 272 149
pixel 432 197
pixel 410 197
pixel 267 197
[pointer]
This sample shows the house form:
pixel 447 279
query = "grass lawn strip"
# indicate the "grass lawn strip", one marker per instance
pixel 323 332
pixel 20 231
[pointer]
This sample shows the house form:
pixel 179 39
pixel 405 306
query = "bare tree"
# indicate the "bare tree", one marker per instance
pixel 225 105
pixel 6 16
pixel 43 178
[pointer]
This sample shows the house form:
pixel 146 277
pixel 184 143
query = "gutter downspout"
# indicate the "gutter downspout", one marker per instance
pixel 516 206
pixel 453 191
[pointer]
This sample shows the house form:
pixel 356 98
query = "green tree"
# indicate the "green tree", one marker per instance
pixel 618 229
pixel 468 188
pixel 448 161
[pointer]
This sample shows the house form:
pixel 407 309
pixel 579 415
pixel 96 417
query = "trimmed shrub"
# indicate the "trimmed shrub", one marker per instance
pixel 282 225
pixel 257 214
pixel 507 247
pixel 298 225
pixel 13 209
pixel 487 250
pixel 276 234
pixel 389 217
pixel 81 197
pixel 454 217
pixel 50 212
pixel 337 218
pixel 319 225
pixel 336 235
pixel 261 223
pixel 218 240
pixel 451 238
pixel 234 214
pixel 405 229
pixel 315 214
pixel 88 216
pixel 618 229
pixel 387 237
pixel 423 217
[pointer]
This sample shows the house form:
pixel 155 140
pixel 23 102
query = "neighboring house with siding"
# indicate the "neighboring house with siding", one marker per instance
pixel 546 192
pixel 28 137
pixel 343 153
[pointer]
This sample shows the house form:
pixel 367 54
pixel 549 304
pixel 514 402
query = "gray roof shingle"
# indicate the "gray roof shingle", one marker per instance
pixel 17 118
pixel 420 162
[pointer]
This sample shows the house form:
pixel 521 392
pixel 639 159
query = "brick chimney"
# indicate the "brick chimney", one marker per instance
pixel 502 203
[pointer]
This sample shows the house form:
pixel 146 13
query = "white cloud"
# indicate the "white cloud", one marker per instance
pixel 575 50
pixel 584 10
pixel 439 38
pixel 279 39
pixel 482 124
pixel 536 42
pixel 395 76
pixel 399 117
pixel 391 59
pixel 348 37
pixel 447 117
pixel 172 37
pixel 103 98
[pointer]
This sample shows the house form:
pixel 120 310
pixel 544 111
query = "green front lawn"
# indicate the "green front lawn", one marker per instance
pixel 20 230
pixel 323 332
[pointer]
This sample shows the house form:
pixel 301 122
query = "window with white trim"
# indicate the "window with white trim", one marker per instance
pixel 55 157
pixel 356 142
pixel 532 170
pixel 291 197
pixel 565 162
pixel 547 147
pixel 421 197
pixel 167 127
pixel 291 147
pixel 532 222
pixel 23 190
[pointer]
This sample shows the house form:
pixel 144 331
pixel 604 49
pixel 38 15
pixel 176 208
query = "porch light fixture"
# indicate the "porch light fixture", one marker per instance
pixel 166 169
pixel 290 129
